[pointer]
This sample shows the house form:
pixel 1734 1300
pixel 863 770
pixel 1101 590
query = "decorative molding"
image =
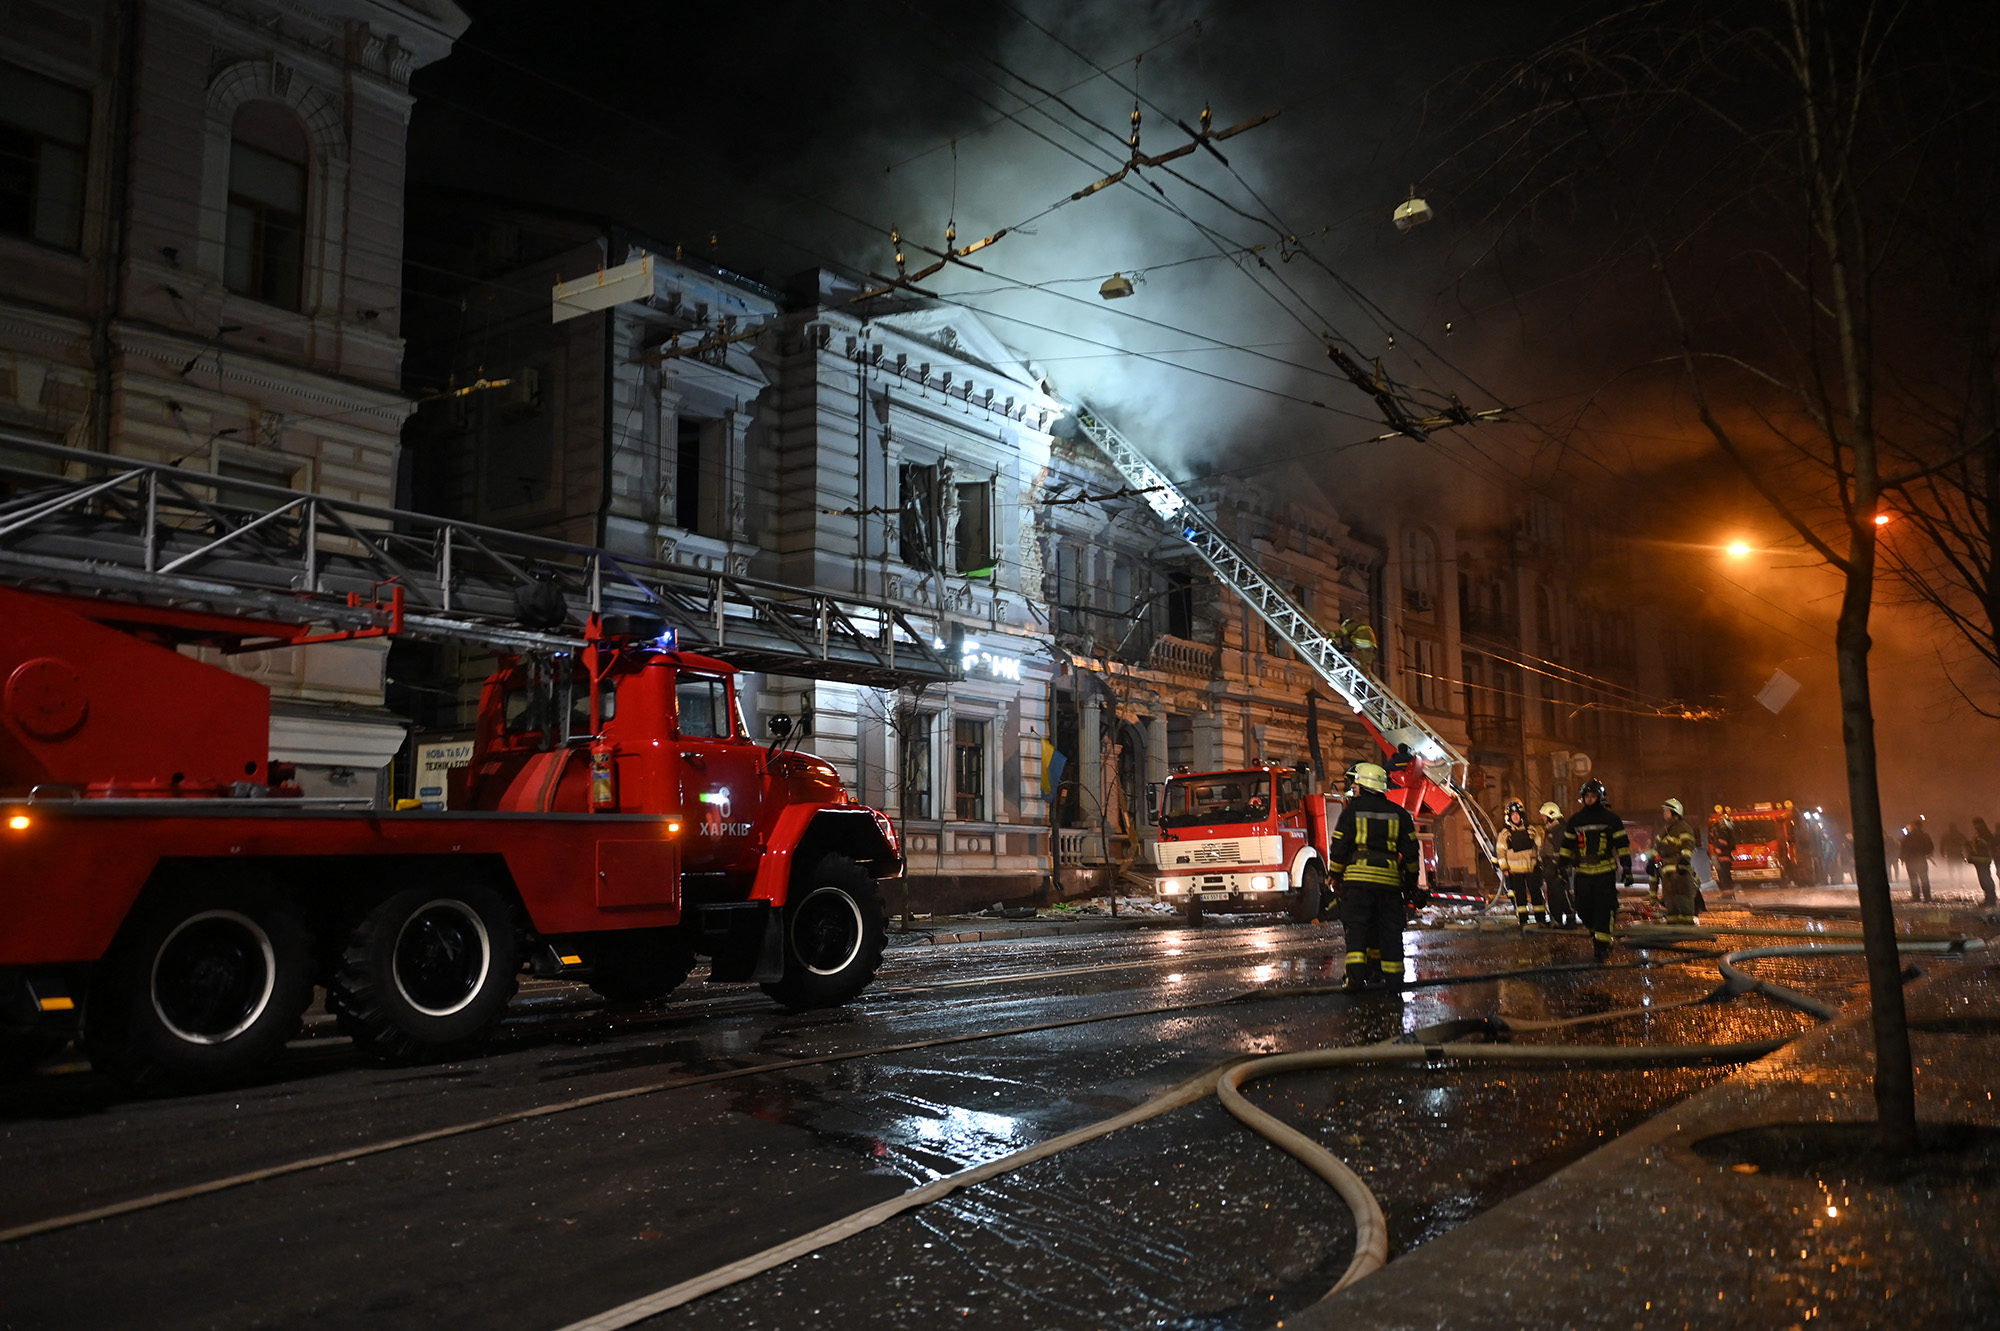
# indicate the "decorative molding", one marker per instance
pixel 270 79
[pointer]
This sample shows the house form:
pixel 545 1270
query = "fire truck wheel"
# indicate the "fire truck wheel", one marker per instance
pixel 427 973
pixel 206 991
pixel 1193 912
pixel 639 965
pixel 1305 898
pixel 834 933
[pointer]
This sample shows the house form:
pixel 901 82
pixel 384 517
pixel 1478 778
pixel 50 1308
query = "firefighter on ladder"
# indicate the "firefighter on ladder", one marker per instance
pixel 1672 869
pixel 1596 853
pixel 1521 864
pixel 1372 862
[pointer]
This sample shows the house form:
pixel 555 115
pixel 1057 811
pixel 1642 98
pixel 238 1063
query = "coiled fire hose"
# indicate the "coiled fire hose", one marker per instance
pixel 1226 1082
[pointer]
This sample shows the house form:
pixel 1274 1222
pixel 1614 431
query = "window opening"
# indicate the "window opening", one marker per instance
pixel 44 140
pixel 969 769
pixel 265 256
pixel 914 738
pixel 975 528
pixel 920 506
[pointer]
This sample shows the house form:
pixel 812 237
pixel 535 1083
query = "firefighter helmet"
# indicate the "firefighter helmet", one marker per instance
pixel 1593 787
pixel 1675 805
pixel 1371 777
pixel 1551 811
pixel 1514 807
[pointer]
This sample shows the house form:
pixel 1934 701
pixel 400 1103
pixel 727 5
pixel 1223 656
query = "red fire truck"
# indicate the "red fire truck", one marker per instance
pixel 1774 842
pixel 1256 839
pixel 1251 839
pixel 168 895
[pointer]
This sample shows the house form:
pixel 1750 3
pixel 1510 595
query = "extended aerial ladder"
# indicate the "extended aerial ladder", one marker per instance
pixel 1388 717
pixel 308 567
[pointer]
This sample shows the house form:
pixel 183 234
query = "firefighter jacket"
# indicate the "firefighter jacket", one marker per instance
pixel 1520 850
pixel 1373 845
pixel 1552 844
pixel 1673 847
pixel 1594 842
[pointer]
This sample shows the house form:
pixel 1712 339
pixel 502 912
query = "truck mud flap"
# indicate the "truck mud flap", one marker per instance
pixel 745 941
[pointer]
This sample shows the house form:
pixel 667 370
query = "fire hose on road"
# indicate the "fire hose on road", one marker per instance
pixel 1226 1082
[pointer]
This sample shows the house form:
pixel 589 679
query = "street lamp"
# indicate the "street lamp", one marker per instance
pixel 1738 549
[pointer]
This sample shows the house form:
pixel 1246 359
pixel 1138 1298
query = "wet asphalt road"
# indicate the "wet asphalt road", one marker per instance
pixel 1185 1221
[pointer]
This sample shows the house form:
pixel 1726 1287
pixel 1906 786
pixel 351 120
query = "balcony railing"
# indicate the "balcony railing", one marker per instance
pixel 1178 656
pixel 1495 732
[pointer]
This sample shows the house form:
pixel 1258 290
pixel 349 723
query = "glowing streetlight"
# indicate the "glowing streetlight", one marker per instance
pixel 1881 519
pixel 1738 549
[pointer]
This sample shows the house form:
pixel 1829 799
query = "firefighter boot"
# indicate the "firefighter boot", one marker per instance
pixel 1600 946
pixel 1361 975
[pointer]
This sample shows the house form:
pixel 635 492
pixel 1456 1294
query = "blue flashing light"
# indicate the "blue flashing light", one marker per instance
pixel 668 641
pixel 1190 531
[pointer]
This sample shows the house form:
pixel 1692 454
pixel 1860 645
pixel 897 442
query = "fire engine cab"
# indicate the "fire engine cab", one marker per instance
pixel 1773 842
pixel 1250 839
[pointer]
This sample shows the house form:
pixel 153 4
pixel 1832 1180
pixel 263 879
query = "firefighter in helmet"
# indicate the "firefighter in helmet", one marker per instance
pixel 1372 861
pixel 1672 869
pixel 1597 854
pixel 1521 863
pixel 1357 639
pixel 1555 882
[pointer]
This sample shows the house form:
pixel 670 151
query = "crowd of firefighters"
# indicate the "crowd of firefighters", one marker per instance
pixel 1915 849
pixel 1562 873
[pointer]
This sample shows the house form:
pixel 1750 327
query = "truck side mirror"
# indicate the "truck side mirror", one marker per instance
pixel 1152 803
pixel 780 725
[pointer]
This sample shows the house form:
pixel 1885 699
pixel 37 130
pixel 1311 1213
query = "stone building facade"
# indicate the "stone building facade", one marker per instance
pixel 201 263
pixel 907 454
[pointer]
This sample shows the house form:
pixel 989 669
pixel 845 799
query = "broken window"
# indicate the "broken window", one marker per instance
pixel 974 534
pixel 921 508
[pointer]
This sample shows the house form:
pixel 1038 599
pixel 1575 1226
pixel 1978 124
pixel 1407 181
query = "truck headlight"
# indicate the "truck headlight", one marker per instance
pixel 1260 883
pixel 1171 885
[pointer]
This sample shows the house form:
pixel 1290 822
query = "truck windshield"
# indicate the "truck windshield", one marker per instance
pixel 1232 797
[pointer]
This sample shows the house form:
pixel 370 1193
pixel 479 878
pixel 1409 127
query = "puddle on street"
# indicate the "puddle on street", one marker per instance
pixel 1190 1221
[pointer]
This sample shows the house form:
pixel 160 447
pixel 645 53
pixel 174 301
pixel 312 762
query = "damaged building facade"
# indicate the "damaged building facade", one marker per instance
pixel 908 455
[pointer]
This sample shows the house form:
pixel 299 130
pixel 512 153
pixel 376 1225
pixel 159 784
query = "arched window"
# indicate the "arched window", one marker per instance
pixel 265 259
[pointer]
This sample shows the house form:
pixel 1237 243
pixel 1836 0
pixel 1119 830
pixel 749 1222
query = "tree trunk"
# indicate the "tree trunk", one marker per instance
pixel 1895 1086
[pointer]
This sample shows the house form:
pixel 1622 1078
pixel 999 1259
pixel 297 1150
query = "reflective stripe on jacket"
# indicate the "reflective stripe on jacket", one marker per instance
pixel 1374 844
pixel 1520 850
pixel 1594 842
pixel 1674 847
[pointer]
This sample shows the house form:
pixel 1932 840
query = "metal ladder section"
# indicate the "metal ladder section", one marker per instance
pixel 1393 720
pixel 84 523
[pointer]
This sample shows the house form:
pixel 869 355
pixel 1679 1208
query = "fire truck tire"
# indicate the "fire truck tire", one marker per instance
pixel 204 992
pixel 639 965
pixel 834 932
pixel 427 973
pixel 1193 912
pixel 1305 898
